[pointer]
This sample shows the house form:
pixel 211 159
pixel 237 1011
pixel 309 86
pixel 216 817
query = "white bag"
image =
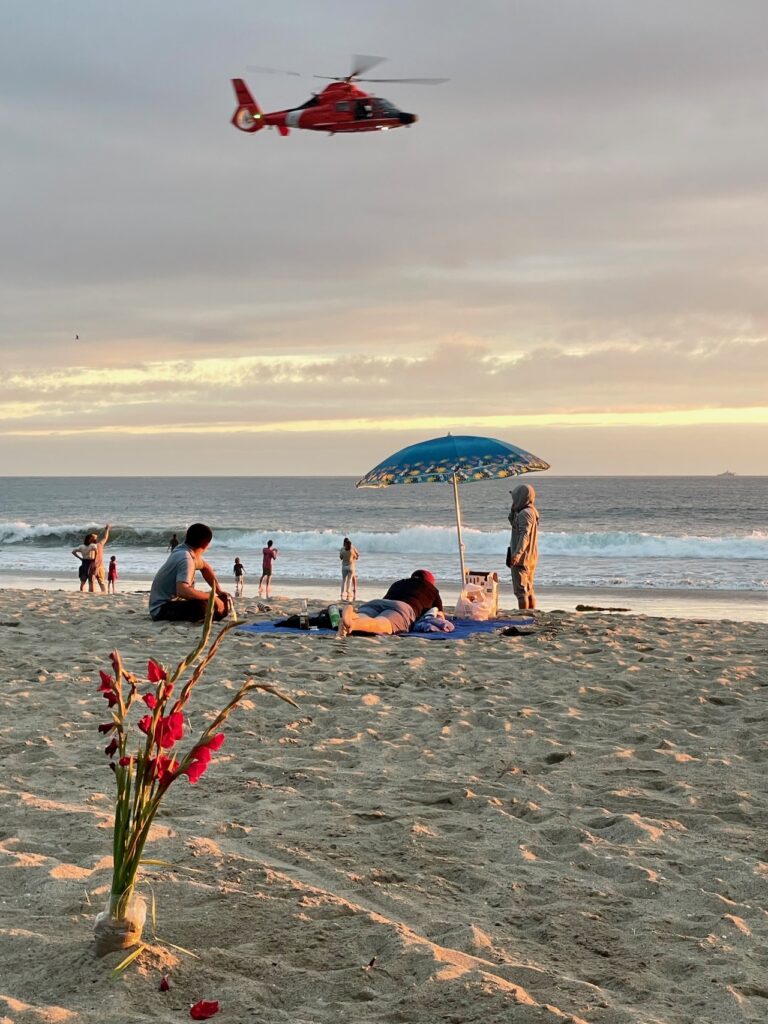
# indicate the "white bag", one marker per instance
pixel 474 603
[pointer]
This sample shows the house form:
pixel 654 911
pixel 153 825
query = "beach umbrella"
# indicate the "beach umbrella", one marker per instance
pixel 455 460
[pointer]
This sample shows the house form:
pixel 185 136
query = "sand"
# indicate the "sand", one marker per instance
pixel 565 827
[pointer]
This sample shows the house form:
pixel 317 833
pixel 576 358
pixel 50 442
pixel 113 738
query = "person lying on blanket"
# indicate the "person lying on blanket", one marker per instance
pixel 397 611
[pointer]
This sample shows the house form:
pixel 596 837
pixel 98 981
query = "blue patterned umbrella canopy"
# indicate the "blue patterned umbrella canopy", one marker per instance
pixel 441 459
pixel 453 460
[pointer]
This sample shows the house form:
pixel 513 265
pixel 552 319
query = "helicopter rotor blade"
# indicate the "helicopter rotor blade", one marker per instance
pixel 362 62
pixel 410 81
pixel 273 71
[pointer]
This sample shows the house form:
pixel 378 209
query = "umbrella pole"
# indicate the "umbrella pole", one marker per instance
pixel 458 530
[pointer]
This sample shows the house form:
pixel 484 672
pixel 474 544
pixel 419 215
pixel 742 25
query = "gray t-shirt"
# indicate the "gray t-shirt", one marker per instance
pixel 179 567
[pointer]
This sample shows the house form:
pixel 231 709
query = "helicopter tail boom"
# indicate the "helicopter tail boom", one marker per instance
pixel 248 116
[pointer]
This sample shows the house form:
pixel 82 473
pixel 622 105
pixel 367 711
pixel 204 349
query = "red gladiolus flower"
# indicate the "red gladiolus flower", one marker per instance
pixel 202 758
pixel 204 1009
pixel 165 983
pixel 107 682
pixel 107 727
pixel 170 729
pixel 111 748
pixel 145 723
pixel 110 697
pixel 150 700
pixel 124 762
pixel 155 672
pixel 163 767
pixel 195 770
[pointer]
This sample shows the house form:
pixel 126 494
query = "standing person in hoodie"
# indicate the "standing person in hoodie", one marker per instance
pixel 524 517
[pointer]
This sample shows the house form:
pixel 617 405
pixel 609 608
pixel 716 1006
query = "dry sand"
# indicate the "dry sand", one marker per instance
pixel 570 826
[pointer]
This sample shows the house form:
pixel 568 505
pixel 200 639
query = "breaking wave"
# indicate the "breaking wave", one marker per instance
pixel 414 540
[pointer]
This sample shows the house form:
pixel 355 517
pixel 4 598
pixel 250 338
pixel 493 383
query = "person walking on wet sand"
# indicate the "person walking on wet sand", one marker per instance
pixel 524 544
pixel 239 572
pixel 173 542
pixel 268 555
pixel 349 556
pixel 112 575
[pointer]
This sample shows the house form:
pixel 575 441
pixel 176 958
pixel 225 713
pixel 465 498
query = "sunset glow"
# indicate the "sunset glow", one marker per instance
pixel 570 240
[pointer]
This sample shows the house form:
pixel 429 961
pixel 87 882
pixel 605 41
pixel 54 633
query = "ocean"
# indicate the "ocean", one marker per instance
pixel 702 537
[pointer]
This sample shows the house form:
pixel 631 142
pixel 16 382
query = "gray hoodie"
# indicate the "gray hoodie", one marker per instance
pixel 524 517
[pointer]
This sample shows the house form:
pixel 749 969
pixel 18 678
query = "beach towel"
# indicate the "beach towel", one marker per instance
pixel 431 622
pixel 463 629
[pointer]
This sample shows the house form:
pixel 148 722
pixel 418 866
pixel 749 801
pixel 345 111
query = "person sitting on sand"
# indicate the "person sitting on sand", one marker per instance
pixel 173 595
pixel 397 611
pixel 524 543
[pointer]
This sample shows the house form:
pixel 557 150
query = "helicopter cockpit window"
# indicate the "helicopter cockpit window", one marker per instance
pixel 342 107
pixel 384 108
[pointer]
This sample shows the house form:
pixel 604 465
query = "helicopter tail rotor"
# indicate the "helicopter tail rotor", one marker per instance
pixel 248 116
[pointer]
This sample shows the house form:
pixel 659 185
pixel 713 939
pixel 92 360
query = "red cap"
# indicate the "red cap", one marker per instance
pixel 425 574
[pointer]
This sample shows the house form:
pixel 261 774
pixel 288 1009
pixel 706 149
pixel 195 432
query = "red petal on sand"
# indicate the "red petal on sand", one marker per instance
pixel 165 983
pixel 204 1009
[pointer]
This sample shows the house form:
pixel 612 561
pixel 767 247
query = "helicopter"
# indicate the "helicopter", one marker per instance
pixel 340 107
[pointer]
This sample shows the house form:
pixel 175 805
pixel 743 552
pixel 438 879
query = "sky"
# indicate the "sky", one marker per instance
pixel 567 251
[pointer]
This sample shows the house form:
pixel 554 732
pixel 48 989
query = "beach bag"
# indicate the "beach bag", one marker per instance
pixel 474 603
pixel 508 559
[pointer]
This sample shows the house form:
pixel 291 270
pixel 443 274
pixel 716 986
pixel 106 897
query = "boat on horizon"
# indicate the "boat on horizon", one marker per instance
pixel 727 473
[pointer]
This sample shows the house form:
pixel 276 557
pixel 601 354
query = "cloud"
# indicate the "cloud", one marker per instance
pixel 576 223
pixel 631 385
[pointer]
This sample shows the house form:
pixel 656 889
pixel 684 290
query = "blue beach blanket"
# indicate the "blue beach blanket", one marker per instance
pixel 464 628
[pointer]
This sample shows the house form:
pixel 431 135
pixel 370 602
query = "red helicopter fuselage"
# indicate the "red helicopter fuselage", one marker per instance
pixel 340 107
